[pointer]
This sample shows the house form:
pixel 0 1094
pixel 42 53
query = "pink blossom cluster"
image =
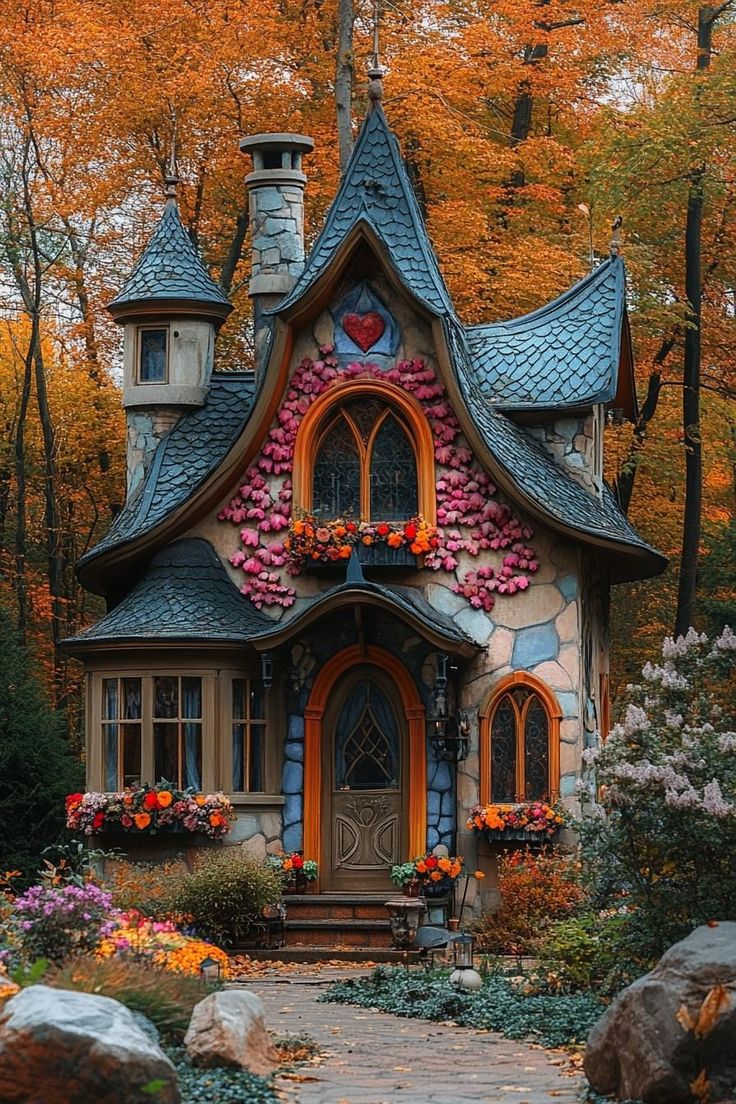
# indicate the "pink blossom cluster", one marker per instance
pixel 469 519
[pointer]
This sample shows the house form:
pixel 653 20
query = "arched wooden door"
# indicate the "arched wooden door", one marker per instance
pixel 357 693
pixel 365 794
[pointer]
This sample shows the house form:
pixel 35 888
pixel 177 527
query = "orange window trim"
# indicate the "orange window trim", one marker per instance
pixel 313 429
pixel 313 735
pixel 488 712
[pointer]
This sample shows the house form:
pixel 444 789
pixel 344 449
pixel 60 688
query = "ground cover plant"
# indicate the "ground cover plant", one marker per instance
pixel 219 1086
pixel 500 1005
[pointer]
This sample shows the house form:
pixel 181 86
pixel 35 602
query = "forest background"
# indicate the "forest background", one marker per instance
pixel 527 125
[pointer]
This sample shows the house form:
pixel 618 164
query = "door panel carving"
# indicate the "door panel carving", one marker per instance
pixel 366 831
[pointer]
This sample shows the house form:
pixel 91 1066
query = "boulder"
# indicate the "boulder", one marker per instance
pixel 228 1029
pixel 640 1049
pixel 63 1046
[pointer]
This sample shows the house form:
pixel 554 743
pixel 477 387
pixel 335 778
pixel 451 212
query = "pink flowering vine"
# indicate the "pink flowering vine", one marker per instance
pixel 469 518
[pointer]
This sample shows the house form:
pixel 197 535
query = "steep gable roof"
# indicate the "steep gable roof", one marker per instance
pixel 376 191
pixel 565 354
pixel 170 268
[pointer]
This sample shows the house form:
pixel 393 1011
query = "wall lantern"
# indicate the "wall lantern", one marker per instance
pixel 210 970
pixel 267 669
pixel 448 734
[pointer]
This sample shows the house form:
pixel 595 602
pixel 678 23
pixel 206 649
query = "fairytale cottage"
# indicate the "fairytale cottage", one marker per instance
pixel 365 586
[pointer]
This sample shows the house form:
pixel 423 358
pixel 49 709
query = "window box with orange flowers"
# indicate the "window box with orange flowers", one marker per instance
pixel 434 875
pixel 146 810
pixel 312 542
pixel 531 821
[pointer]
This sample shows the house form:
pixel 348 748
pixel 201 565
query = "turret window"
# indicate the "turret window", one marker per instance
pixel 153 355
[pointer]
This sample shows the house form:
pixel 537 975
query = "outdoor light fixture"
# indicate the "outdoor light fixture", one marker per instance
pixel 209 970
pixel 448 734
pixel 463 975
pixel 267 669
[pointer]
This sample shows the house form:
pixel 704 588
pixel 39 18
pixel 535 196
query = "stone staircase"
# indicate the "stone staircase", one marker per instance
pixel 330 920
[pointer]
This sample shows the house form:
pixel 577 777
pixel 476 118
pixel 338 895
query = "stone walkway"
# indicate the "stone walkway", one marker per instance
pixel 375 1058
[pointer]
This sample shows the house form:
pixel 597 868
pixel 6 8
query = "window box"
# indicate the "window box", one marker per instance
pixel 373 555
pixel 494 835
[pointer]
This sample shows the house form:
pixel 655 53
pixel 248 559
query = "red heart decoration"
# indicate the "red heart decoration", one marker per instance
pixel 364 329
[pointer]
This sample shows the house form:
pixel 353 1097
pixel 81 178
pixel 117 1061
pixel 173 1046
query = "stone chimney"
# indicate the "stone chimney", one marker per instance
pixel 276 202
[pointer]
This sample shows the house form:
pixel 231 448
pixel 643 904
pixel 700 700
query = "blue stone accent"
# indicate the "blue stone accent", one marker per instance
pixel 296 726
pixel 568 585
pixel 433 806
pixel 567 785
pixel 293 838
pixel 535 645
pixel 294 751
pixel 446 825
pixel 293 810
pixel 433 838
pixel 448 804
pixel 568 703
pixel 270 199
pixel 442 779
pixel 293 777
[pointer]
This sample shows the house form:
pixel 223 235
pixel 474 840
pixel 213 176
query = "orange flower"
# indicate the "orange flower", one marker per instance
pixel 455 869
pixel 216 820
pixel 142 820
pixel 340 530
pixel 394 540
pixel 287 864
pixel 165 797
pixel 298 527
pixel 367 539
pixel 479 875
pixel 445 864
pixel 436 876
pixel 345 552
pixel 200 800
pixel 421 867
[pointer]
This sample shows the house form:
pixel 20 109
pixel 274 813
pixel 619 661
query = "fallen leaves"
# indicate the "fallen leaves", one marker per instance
pixel 716 1001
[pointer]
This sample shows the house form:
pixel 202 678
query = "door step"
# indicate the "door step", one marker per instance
pixel 299 952
pixel 355 920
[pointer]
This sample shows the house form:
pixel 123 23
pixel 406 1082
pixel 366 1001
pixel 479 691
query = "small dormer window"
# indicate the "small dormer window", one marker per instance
pixel 153 354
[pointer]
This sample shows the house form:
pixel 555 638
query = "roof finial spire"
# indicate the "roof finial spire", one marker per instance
pixel 615 244
pixel 376 71
pixel 172 175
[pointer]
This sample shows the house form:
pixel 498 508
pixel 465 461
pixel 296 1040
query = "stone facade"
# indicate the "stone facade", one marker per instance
pixel 146 429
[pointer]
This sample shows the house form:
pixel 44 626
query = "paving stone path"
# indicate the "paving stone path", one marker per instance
pixel 375 1058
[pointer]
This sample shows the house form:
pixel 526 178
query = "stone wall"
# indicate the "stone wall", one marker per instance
pixel 572 442
pixel 146 428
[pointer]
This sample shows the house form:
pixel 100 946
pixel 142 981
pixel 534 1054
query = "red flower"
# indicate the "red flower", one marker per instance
pixel 383 529
pixel 74 799
pixel 297 862
pixel 410 530
pixel 431 862
pixel 150 801
pixel 99 820
pixel 351 527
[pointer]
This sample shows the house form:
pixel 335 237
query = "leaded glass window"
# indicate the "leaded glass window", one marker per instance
pixel 520 748
pixel 393 473
pixel 337 473
pixel 365 466
pixel 177 730
pixel 153 355
pixel 367 741
pixel 121 732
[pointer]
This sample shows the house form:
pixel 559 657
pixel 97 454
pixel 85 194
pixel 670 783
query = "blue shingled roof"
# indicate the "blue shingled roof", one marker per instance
pixel 564 354
pixel 184 595
pixel 535 472
pixel 188 454
pixel 170 268
pixel 376 191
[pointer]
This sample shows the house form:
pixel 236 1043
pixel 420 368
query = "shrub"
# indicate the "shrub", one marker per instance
pixel 37 767
pixel 224 897
pixel 55 922
pixel 665 834
pixel 535 888
pixel 167 999
pixel 145 887
pixel 587 952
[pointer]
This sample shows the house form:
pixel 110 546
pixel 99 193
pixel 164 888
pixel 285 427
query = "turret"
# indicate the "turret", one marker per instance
pixel 276 202
pixel 171 310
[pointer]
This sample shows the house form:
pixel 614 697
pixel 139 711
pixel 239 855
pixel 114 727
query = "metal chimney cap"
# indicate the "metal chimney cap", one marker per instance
pixel 298 142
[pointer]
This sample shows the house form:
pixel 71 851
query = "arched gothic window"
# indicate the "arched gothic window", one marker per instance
pixel 520 743
pixel 365 465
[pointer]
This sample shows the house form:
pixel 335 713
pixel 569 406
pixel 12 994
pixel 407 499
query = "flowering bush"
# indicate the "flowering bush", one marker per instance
pixel 663 831
pixel 225 896
pixel 54 922
pixel 469 518
pixel 535 889
pixel 291 864
pixel 159 943
pixel 530 816
pixel 429 869
pixel 150 809
pixel 328 541
pixel 145 887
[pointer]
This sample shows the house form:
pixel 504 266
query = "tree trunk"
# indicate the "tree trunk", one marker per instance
pixel 19 557
pixel 624 485
pixel 344 81
pixel 235 252
pixel 684 617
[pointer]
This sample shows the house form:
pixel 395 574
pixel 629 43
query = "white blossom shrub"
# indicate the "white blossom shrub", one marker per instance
pixel 661 842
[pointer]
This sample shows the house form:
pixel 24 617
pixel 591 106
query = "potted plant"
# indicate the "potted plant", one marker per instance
pixel 145 810
pixel 532 821
pixel 296 871
pixel 430 874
